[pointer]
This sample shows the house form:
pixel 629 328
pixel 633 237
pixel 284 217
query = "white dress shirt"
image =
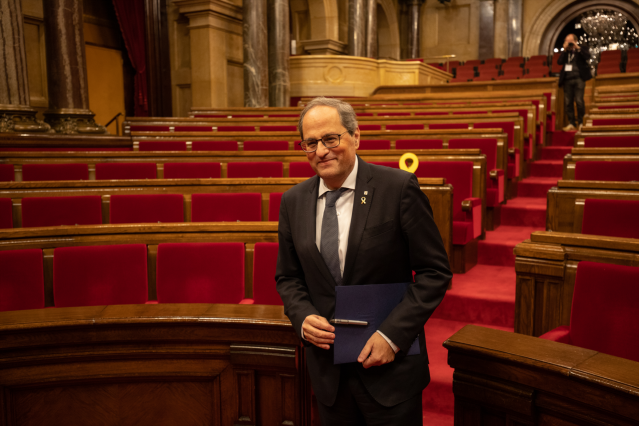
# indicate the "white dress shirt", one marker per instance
pixel 344 207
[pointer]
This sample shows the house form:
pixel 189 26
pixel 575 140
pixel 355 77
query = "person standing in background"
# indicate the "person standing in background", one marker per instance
pixel 573 77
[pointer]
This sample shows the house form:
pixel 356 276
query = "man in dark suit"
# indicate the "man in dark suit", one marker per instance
pixel 352 224
pixel 573 77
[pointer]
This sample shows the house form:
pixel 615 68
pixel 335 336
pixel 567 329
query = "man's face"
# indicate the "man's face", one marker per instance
pixel 333 165
pixel 569 39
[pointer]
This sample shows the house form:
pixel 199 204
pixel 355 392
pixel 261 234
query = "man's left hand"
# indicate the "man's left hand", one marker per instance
pixel 376 352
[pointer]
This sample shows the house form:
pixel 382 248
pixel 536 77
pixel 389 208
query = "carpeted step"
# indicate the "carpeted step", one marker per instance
pixel 560 138
pixel 546 168
pixel 555 152
pixel 433 418
pixel 485 294
pixel 535 186
pixel 497 248
pixel 524 211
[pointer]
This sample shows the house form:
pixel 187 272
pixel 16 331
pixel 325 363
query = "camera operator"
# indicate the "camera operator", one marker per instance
pixel 573 77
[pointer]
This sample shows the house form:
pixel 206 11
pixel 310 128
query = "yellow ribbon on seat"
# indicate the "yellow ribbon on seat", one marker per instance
pixel 413 166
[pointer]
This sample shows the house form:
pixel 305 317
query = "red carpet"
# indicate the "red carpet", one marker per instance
pixel 559 138
pixel 485 295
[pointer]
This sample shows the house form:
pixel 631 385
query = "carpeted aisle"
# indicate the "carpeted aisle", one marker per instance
pixel 486 294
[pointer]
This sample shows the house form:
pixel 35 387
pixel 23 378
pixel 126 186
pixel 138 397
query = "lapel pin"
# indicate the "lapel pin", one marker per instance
pixel 363 200
pixel 365 192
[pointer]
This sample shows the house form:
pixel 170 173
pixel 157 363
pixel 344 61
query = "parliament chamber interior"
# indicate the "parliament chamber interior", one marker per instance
pixel 145 146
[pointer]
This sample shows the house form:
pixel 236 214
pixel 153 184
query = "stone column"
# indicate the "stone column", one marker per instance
pixel 413 28
pixel 255 54
pixel 279 44
pixel 371 29
pixel 16 115
pixel 486 29
pixel 68 111
pixel 357 27
pixel 515 12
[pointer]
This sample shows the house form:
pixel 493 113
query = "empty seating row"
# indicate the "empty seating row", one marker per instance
pixel 602 164
pixel 605 119
pixel 183 272
pixel 606 140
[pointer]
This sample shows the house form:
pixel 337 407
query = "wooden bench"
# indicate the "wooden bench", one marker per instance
pixel 546 267
pixel 508 378
pixel 53 141
pixel 595 137
pixel 153 364
pixel 625 118
pixel 565 201
pixel 597 154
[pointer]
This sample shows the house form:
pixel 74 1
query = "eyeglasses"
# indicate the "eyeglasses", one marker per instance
pixel 329 141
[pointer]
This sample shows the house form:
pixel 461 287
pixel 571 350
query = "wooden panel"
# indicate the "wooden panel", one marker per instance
pixel 245 382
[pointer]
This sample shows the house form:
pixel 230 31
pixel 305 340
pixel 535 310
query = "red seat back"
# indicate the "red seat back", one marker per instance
pixel 605 310
pixel 274 201
pixel 100 275
pixel 214 146
pixel 38 172
pixel 374 143
pixel 21 280
pixel 278 128
pixel 142 128
pixel 419 144
pixel 262 169
pixel 236 129
pixel 612 218
pixel 162 146
pixel 370 127
pixel 61 211
pixel 507 127
pixel 6 213
pixel 457 173
pixel 7 173
pixel 264 265
pixel 246 207
pixel 611 142
pixel 404 127
pixel 620 171
pixel 488 147
pixel 109 171
pixel 265 146
pixel 615 121
pixel 194 128
pixel 147 208
pixel 431 113
pixel 192 170
pixel 200 273
pixel 300 169
pixel 447 126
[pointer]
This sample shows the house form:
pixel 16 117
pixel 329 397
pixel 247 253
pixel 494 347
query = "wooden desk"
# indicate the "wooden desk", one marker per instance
pixel 504 378
pixel 152 364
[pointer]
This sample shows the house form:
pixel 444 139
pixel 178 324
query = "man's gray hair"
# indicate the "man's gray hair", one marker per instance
pixel 346 113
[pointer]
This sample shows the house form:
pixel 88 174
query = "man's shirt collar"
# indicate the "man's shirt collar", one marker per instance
pixel 349 183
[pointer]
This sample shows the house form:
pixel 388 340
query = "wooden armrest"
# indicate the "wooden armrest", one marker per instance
pixel 495 173
pixel 469 203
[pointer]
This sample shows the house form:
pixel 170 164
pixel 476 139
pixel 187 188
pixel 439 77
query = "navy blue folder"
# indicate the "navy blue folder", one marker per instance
pixel 371 303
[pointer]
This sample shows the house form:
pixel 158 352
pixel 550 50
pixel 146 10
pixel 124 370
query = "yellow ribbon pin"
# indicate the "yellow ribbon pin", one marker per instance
pixel 404 166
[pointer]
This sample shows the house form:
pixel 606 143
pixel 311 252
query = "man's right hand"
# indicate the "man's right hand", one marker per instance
pixel 318 331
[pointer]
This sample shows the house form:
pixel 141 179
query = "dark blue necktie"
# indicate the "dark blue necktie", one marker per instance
pixel 329 245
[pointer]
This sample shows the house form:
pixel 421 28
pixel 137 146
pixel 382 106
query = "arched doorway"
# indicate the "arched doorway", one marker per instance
pixel 387 31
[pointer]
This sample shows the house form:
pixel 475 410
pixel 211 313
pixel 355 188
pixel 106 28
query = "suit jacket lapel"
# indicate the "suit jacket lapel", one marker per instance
pixel 361 208
pixel 310 225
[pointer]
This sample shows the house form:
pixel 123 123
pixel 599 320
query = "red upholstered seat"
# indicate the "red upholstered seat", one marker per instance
pixel 419 144
pixel 611 142
pixel 299 169
pixel 109 171
pixel 264 263
pixel 615 121
pixel 6 213
pixel 431 113
pixel 162 146
pixel 246 207
pixel 147 208
pixel 278 128
pixel 507 127
pixel 393 114
pixel 194 128
pixel 214 146
pixel 7 173
pixel 21 280
pixel 447 126
pixel 365 114
pixel 488 146
pixel 142 128
pixel 265 146
pixel 469 112
pixel 404 127
pixel 262 169
pixel 274 201
pixel 236 129
pixel 36 172
pixel 200 273
pixel 100 275
pixel 604 311
pixel 370 127
pixel 612 218
pixel 621 171
pixel 284 115
pixel 192 170
pixel 619 106
pixel 59 211
pixel 374 144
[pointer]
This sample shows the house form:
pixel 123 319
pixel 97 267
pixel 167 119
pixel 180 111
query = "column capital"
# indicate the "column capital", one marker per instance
pixel 218 7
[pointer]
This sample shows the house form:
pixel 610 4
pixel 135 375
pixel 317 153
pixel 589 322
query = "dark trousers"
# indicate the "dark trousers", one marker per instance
pixel 354 406
pixel 574 92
